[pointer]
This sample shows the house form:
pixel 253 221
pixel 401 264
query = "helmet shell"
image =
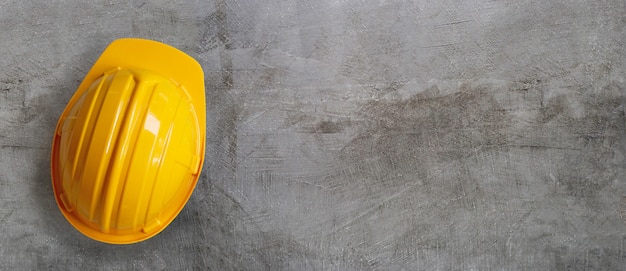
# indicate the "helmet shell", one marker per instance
pixel 129 146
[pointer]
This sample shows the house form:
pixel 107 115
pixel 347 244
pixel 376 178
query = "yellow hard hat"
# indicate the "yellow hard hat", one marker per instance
pixel 129 146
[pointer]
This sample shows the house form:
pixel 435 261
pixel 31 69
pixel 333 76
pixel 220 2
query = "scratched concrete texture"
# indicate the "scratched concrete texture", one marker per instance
pixel 346 135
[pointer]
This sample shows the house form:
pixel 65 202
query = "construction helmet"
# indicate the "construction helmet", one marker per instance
pixel 129 146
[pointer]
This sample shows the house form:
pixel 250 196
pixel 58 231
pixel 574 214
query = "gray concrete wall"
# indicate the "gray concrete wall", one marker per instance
pixel 346 135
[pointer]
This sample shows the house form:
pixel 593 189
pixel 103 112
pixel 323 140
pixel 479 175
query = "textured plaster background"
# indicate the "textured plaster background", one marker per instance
pixel 346 135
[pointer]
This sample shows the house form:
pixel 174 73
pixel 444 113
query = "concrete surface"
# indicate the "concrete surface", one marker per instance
pixel 346 135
